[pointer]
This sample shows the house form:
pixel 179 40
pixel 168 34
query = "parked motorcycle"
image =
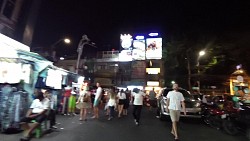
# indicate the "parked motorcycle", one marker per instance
pixel 211 115
pixel 234 122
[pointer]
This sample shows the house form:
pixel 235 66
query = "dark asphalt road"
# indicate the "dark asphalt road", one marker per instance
pixel 124 129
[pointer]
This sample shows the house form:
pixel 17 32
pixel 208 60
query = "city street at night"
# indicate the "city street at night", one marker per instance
pixel 181 67
pixel 124 129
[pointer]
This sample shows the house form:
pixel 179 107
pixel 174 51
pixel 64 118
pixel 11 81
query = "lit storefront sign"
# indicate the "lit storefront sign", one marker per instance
pixel 153 70
pixel 7 42
pixel 153 83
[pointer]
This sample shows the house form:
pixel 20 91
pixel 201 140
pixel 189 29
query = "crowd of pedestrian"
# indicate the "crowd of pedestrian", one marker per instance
pixel 115 101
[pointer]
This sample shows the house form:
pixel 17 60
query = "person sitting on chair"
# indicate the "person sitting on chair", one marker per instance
pixel 37 112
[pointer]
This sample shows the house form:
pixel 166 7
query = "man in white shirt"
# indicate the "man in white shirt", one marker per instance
pixel 138 102
pixel 37 112
pixel 97 100
pixel 175 101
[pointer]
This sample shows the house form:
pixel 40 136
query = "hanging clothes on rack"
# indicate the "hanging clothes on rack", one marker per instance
pixel 13 105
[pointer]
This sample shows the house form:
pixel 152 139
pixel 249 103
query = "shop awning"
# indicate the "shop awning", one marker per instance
pixel 30 56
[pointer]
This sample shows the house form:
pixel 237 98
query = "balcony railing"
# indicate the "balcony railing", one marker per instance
pixel 108 54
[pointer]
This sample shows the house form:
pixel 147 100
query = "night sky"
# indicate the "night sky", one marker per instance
pixel 103 21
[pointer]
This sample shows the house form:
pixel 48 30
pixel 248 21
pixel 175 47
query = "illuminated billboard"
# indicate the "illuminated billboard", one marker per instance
pixel 126 41
pixel 125 56
pixel 139 49
pixel 126 51
pixel 154 48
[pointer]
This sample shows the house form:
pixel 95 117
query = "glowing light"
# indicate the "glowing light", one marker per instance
pixel 139 37
pixel 201 53
pixel 66 40
pixel 153 34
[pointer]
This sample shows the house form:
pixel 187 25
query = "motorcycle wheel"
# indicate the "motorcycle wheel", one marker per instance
pixel 214 123
pixel 230 127
pixel 206 119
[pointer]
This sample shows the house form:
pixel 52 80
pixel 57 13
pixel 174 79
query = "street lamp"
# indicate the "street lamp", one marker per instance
pixel 201 53
pixel 85 40
pixel 53 46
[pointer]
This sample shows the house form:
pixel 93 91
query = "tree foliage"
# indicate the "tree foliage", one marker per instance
pixel 222 55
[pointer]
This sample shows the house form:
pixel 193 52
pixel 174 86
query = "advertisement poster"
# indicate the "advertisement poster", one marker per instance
pixel 139 50
pixel 154 48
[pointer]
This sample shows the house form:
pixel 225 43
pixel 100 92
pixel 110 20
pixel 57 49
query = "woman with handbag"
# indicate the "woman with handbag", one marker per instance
pixel 83 102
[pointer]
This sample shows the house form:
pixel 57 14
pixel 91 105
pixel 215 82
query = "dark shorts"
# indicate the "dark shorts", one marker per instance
pixel 121 101
pixel 126 104
pixel 39 118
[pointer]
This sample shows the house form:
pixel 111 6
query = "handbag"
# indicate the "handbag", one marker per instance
pixel 85 98
pixel 78 105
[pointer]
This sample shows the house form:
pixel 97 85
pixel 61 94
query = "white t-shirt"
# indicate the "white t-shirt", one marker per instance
pixel 112 102
pixel 175 99
pixel 38 106
pixel 98 93
pixel 138 98
pixel 121 95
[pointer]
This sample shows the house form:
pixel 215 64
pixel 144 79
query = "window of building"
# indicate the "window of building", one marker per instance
pixel 8 8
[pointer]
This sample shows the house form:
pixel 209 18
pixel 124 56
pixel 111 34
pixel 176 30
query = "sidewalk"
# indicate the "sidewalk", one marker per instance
pixel 65 123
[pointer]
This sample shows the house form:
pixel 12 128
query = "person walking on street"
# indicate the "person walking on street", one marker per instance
pixel 126 104
pixel 122 98
pixel 97 100
pixel 137 104
pixel 152 99
pixel 112 103
pixel 175 101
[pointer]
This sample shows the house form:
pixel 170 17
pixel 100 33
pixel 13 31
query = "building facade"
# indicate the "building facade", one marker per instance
pixel 107 69
pixel 18 18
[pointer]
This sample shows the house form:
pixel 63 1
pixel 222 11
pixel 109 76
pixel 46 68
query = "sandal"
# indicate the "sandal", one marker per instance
pixel 25 139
